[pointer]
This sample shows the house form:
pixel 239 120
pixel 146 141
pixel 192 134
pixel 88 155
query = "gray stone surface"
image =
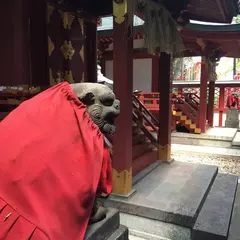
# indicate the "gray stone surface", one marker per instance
pixel 201 142
pixel 145 172
pixel 236 140
pixel 152 229
pixel 234 232
pixel 120 234
pixel 223 134
pixel 232 118
pixel 171 193
pixel 214 137
pixel 214 151
pixel 105 228
pixel 214 218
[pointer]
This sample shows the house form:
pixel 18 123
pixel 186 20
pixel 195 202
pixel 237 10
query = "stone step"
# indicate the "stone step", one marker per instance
pixel 214 218
pixel 150 229
pixel 234 232
pixel 172 193
pixel 120 234
pixel 104 229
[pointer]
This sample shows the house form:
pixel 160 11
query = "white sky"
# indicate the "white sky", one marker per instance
pixel 107 23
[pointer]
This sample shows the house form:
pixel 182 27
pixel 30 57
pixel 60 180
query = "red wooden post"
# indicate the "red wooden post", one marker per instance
pixel 221 105
pixel 14 43
pixel 165 111
pixel 211 95
pixel 90 53
pixel 155 60
pixel 180 91
pixel 38 43
pixel 123 88
pixel 203 96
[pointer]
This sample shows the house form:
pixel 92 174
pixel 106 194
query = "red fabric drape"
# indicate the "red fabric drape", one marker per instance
pixel 53 161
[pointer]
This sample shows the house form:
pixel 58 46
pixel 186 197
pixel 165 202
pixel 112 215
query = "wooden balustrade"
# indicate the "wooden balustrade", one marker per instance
pixel 189 89
pixel 143 118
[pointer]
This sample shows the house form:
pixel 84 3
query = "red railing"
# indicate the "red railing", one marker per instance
pixel 222 90
pixel 187 109
pixel 143 118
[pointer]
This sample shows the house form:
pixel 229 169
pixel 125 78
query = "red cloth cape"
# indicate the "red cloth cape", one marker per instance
pixel 52 163
pixel 230 100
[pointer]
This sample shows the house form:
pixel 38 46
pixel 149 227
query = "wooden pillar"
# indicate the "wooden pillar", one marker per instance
pixel 155 62
pixel 14 41
pixel 202 115
pixel 211 97
pixel 221 106
pixel 38 42
pixel 90 52
pixel 123 87
pixel 165 111
pixel 180 91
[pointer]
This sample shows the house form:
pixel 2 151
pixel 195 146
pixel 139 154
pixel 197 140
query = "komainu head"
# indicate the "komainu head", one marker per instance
pixel 102 105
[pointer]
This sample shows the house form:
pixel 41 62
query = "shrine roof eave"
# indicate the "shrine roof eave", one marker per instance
pixel 224 38
pixel 225 32
pixel 213 28
pixel 212 32
pixel 198 10
pixel 214 10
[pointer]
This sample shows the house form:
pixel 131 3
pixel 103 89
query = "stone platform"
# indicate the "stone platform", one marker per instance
pixel 171 193
pixel 180 198
pixel 215 137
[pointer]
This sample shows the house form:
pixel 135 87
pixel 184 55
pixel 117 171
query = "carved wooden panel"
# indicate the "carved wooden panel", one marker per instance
pixel 65 46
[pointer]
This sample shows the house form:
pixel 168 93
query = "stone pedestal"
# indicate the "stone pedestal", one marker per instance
pixel 108 229
pixel 232 120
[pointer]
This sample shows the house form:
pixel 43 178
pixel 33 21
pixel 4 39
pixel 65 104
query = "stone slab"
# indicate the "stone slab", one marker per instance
pixel 232 118
pixel 223 134
pixel 171 193
pixel 105 228
pixel 120 234
pixel 214 137
pixel 234 232
pixel 189 140
pixel 214 218
pixel 214 151
pixel 236 140
pixel 152 229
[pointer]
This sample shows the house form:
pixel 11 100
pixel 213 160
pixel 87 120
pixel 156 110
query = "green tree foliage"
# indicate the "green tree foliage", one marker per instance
pixel 179 66
pixel 236 20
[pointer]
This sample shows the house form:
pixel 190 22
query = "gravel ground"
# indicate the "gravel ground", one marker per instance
pixel 226 164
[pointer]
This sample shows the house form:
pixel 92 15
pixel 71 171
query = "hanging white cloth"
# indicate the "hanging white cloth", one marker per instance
pixel 102 79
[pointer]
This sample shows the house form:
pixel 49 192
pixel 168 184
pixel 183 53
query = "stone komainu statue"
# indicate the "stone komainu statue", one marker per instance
pixel 54 162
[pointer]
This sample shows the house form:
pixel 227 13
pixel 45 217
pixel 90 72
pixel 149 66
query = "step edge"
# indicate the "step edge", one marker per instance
pixel 114 215
pixel 212 234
